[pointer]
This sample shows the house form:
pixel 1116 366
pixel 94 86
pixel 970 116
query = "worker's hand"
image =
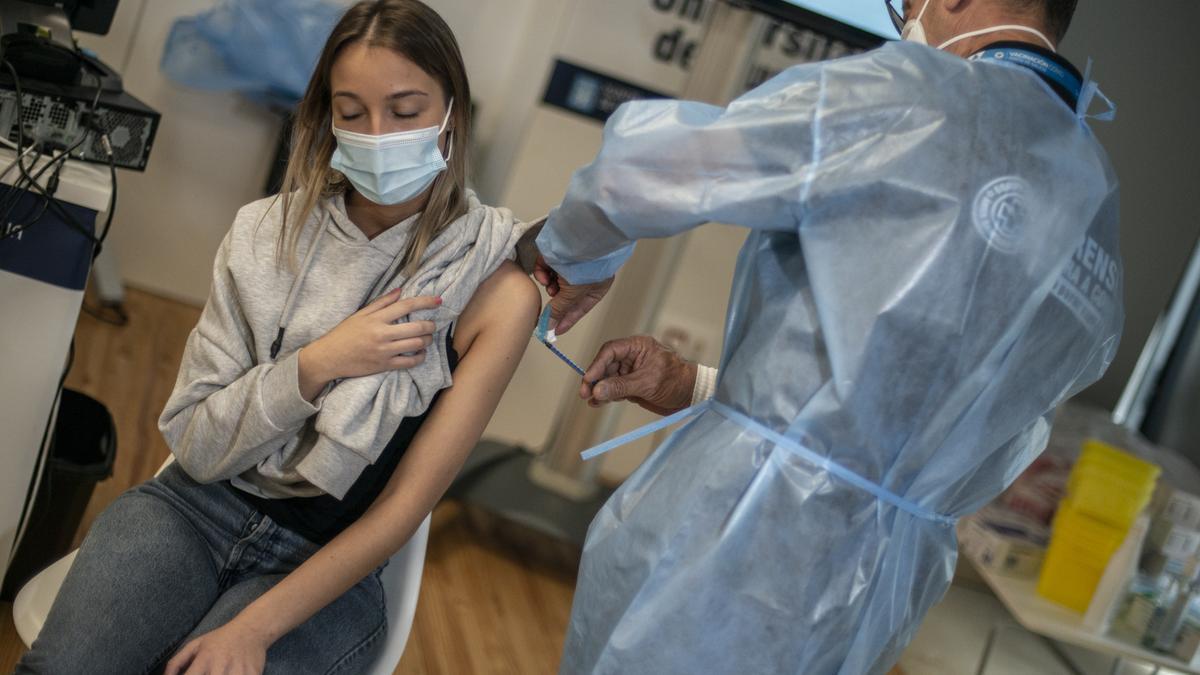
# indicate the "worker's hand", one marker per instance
pixel 568 303
pixel 370 341
pixel 227 650
pixel 642 370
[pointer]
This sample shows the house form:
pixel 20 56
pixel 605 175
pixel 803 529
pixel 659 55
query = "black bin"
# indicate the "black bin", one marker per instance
pixel 82 451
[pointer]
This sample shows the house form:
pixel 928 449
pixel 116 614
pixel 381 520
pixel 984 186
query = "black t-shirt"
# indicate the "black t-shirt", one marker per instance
pixel 319 519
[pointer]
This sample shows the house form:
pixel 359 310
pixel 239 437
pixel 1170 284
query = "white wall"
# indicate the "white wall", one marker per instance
pixel 211 156
pixel 1146 56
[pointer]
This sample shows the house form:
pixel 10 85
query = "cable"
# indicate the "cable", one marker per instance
pixel 29 183
pixel 13 165
pixel 112 199
pixel 26 181
pixel 56 162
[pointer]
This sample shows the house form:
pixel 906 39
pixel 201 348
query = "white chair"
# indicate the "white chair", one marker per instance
pixel 401 585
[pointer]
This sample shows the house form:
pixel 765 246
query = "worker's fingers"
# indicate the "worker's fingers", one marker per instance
pixel 622 387
pixel 610 355
pixel 380 302
pixel 559 304
pixel 572 302
pixel 566 311
pixel 612 369
pixel 405 306
pixel 542 272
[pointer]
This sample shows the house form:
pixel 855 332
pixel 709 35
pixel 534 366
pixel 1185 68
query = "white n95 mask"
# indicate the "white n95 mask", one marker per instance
pixel 914 30
pixel 391 168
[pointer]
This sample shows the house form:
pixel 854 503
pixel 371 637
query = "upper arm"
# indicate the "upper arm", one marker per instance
pixel 491 334
pixel 504 309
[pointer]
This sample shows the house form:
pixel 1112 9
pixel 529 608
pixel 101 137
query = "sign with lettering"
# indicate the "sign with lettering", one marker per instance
pixel 617 50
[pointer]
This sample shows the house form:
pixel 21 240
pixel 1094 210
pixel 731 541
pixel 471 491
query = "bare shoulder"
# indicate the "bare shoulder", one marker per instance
pixel 506 303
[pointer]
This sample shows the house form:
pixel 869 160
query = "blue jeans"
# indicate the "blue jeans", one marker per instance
pixel 172 559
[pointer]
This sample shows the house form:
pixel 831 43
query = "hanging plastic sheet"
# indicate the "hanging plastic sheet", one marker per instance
pixel 264 49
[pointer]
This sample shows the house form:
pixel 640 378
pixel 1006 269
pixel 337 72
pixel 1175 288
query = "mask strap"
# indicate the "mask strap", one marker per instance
pixel 1088 95
pixel 997 29
pixel 446 119
pixel 924 7
pixel 449 136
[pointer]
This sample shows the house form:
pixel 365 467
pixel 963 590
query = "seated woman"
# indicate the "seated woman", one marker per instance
pixel 309 433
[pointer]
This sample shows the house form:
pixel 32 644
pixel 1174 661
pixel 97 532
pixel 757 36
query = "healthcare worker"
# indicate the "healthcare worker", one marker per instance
pixel 932 269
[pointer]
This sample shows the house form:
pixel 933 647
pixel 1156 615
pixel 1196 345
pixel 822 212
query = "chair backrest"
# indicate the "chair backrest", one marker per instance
pixel 401 586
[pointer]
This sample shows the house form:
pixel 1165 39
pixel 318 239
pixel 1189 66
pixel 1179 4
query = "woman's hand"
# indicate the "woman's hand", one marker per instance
pixel 231 649
pixel 368 342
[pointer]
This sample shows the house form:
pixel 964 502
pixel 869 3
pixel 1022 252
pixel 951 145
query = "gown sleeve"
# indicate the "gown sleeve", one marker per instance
pixel 668 166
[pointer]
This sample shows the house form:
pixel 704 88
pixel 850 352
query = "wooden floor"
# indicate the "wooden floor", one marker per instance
pixel 485 607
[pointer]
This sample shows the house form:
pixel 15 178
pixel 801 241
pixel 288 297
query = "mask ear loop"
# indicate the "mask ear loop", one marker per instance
pixel 997 29
pixel 450 134
pixel 1088 95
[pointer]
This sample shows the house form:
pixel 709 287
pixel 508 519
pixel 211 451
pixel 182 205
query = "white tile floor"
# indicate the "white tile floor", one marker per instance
pixel 952 639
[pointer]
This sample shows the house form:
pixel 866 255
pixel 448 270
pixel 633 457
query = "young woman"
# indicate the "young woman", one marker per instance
pixel 308 429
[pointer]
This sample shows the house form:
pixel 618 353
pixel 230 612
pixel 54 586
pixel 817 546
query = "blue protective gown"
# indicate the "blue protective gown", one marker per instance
pixel 933 268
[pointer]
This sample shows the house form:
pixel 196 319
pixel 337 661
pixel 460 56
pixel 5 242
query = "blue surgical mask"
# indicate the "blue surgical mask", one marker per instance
pixel 391 168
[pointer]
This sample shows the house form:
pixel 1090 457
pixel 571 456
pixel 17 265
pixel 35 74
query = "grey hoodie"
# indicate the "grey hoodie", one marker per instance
pixel 236 413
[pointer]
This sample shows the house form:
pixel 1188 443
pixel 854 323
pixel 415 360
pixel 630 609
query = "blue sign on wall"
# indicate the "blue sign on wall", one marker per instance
pixel 589 93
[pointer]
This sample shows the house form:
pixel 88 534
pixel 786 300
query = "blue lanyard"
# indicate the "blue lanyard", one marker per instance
pixel 1039 64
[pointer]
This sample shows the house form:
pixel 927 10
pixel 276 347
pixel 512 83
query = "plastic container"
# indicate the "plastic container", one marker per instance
pixel 1067 580
pixel 1106 497
pixel 1081 528
pixel 1092 470
pixel 1106 491
pixel 1080 549
pixel 1122 463
pixel 1111 485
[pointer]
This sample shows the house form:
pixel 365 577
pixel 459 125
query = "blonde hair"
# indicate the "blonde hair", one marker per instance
pixel 412 29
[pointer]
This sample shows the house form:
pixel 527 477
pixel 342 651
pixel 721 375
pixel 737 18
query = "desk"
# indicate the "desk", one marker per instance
pixel 1053 622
